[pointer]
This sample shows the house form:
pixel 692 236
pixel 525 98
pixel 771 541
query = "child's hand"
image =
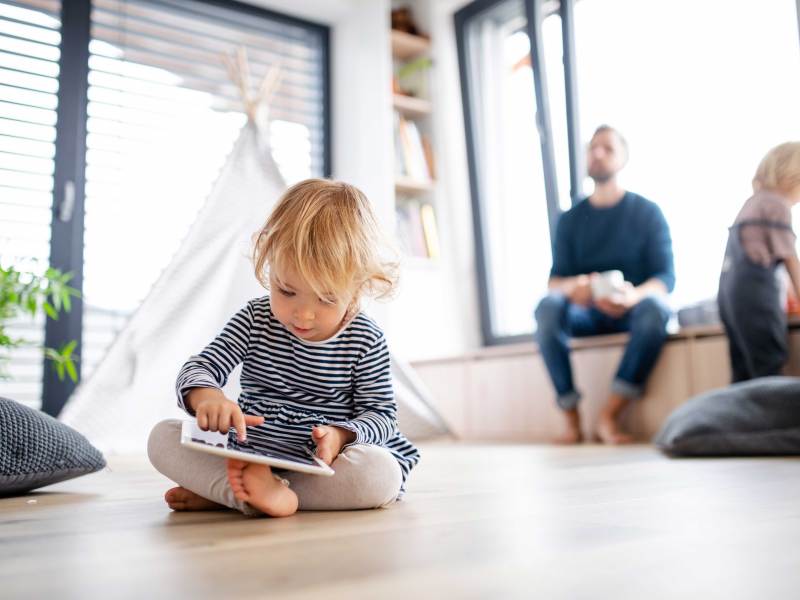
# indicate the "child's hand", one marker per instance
pixel 330 440
pixel 216 413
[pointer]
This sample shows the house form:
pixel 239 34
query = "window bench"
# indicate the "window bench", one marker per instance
pixel 503 393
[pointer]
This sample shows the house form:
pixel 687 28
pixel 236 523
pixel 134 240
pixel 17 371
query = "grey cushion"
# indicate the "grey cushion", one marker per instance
pixel 36 450
pixel 758 417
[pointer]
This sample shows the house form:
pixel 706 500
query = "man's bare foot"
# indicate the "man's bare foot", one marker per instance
pixel 179 498
pixel 571 433
pixel 609 432
pixel 255 484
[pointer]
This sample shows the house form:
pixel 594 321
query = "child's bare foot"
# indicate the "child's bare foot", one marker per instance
pixel 609 432
pixel 179 498
pixel 572 429
pixel 256 485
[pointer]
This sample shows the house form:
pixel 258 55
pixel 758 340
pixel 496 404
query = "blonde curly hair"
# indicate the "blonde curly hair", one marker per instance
pixel 327 233
pixel 779 170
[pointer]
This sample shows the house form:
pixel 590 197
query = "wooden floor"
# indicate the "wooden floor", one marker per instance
pixel 479 522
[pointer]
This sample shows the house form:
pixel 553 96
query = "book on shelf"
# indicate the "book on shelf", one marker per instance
pixel 399 162
pixel 427 149
pixel 416 228
pixel 410 155
pixel 429 229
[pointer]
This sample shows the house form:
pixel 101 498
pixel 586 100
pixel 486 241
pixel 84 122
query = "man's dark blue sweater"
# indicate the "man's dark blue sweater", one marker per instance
pixel 631 236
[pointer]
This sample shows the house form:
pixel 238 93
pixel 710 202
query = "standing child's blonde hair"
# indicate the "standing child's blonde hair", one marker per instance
pixel 327 233
pixel 779 170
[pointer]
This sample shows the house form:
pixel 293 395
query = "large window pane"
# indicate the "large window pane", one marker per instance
pixel 701 90
pixel 556 93
pixel 507 166
pixel 163 116
pixel 29 54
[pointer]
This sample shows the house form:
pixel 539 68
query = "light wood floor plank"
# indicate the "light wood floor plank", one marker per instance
pixel 478 522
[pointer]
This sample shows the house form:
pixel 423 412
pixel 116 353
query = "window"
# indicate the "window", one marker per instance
pixel 557 100
pixel 699 103
pixel 160 119
pixel 29 54
pixel 515 197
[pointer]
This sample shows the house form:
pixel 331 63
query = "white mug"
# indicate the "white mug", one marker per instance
pixel 607 283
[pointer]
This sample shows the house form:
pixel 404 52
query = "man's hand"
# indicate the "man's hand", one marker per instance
pixel 580 292
pixel 619 303
pixel 216 413
pixel 330 440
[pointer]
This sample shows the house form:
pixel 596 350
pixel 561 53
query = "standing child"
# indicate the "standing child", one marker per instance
pixel 750 300
pixel 315 375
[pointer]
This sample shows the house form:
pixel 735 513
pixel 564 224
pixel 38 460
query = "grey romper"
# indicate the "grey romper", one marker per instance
pixel 749 298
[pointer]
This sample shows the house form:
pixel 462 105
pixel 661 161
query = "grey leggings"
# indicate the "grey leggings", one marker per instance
pixel 366 476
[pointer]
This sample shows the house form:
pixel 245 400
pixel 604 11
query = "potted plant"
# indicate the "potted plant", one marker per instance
pixel 22 292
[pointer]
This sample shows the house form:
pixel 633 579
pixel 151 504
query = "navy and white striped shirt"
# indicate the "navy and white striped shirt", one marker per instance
pixel 294 384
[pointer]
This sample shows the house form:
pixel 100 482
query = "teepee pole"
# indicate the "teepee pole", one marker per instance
pixel 239 71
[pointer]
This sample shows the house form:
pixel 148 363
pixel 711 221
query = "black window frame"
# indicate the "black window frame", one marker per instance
pixel 534 16
pixel 67 224
pixel 533 9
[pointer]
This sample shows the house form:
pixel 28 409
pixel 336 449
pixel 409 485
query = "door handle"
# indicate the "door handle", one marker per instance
pixel 67 206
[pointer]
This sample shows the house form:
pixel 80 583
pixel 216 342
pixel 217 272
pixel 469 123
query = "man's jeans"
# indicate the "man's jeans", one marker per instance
pixel 557 320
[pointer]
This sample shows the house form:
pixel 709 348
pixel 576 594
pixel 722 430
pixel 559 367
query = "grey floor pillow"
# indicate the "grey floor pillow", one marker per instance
pixel 36 450
pixel 758 417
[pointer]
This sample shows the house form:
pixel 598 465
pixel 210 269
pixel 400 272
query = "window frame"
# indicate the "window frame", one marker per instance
pixel 533 8
pixel 534 12
pixel 67 243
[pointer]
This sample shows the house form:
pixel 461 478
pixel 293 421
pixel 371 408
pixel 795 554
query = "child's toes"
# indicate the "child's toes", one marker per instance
pixel 174 495
pixel 235 465
pixel 237 485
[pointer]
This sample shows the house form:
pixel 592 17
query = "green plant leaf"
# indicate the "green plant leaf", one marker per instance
pixel 28 292
pixel 66 350
pixel 51 312
pixel 55 294
pixel 415 65
pixel 73 373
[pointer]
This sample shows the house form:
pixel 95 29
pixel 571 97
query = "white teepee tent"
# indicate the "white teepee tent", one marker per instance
pixel 208 280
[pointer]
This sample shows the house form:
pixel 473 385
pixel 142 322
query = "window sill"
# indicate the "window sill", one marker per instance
pixel 693 332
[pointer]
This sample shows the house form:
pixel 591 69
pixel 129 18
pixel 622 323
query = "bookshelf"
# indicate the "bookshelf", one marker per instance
pixel 415 168
pixel 406 46
pixel 407 185
pixel 410 106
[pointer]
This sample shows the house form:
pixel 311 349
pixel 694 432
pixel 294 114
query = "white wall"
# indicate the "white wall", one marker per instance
pixel 435 312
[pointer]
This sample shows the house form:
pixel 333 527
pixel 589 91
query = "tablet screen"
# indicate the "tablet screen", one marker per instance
pixel 220 440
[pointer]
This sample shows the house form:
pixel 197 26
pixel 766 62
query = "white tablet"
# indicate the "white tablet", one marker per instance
pixel 217 443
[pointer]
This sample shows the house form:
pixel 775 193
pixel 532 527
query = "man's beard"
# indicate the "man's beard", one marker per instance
pixel 600 176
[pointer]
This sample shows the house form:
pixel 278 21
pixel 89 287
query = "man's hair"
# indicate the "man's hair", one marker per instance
pixel 603 128
pixel 327 233
pixel 779 170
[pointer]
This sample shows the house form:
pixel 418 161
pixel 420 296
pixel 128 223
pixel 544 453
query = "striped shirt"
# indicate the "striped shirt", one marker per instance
pixel 344 381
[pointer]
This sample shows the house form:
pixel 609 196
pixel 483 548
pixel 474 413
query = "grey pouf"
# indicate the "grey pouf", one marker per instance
pixel 754 418
pixel 36 450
